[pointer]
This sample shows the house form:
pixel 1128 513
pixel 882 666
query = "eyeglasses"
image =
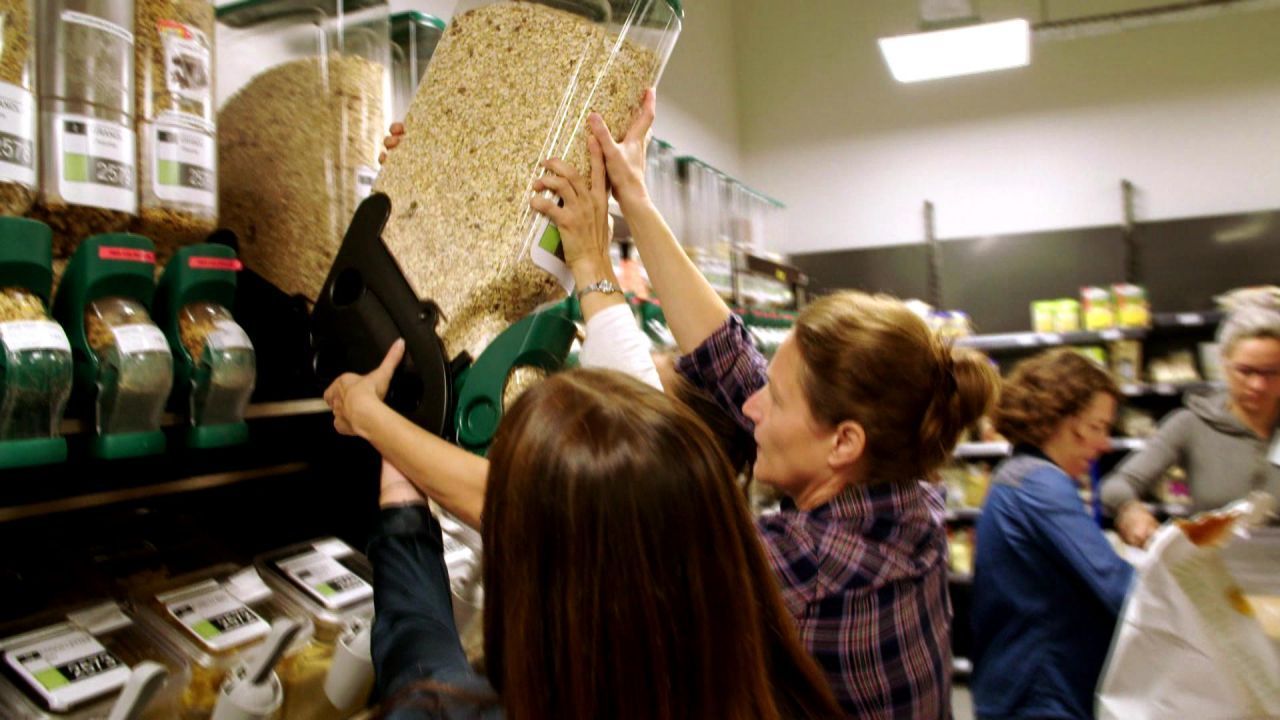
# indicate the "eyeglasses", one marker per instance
pixel 1248 372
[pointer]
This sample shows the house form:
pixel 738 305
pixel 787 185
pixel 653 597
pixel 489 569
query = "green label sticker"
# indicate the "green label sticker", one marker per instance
pixel 51 679
pixel 206 630
pixel 551 241
pixel 75 167
pixel 326 590
pixel 168 172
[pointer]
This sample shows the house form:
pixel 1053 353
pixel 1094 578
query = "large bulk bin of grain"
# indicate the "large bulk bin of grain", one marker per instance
pixel 510 85
pixel 304 92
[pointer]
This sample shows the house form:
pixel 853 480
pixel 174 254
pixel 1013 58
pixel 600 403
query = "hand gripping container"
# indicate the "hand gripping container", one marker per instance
pixel 509 86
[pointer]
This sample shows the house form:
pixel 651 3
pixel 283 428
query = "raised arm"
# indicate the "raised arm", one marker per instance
pixel 1124 488
pixel 694 309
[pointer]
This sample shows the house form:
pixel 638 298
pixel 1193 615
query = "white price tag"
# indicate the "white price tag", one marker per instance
pixel 215 618
pixel 1190 319
pixel 229 336
pixel 326 579
pixel 20 335
pixel 97 162
pixel 132 339
pixel 1051 339
pixel 17 135
pixel 1028 340
pixel 333 547
pixel 185 165
pixel 1112 335
pixel 68 668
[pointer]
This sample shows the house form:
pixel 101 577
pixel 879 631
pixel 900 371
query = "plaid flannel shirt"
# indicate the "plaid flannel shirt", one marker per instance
pixel 865 575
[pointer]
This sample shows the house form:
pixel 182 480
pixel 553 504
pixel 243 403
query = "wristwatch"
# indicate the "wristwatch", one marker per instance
pixel 604 286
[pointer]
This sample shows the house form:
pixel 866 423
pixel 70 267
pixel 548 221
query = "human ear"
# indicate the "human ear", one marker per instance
pixel 848 444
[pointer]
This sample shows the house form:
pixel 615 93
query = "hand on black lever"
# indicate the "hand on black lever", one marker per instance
pixel 353 397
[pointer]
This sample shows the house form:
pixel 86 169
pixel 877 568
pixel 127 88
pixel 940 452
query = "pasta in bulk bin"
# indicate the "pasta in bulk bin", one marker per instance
pixel 18 110
pixel 509 86
pixel 177 172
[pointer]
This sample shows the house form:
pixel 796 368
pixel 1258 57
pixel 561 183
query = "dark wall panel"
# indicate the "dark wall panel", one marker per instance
pixel 900 270
pixel 995 279
pixel 1184 263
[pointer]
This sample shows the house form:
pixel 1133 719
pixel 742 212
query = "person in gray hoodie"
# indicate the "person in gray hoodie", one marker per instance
pixel 1227 442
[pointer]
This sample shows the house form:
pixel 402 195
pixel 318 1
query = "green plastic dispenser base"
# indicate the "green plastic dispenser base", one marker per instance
pixel 205 437
pixel 128 445
pixel 29 453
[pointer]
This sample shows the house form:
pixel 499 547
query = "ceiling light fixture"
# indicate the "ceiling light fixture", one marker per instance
pixel 955 51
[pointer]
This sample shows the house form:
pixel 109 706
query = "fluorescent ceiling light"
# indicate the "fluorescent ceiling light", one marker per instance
pixel 958 51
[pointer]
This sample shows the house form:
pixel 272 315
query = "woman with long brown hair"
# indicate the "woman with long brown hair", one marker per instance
pixel 623 575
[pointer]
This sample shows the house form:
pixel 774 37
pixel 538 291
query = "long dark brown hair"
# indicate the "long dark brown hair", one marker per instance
pixel 623 575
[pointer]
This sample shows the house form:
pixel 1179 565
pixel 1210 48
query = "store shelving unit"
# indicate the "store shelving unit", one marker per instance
pixel 1029 341
pixel 965 451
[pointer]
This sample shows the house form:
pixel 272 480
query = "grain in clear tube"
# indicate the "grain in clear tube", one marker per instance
pixel 15 56
pixel 505 90
pixel 313 123
pixel 169 225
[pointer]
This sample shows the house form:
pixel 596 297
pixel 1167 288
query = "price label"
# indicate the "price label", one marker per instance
pixel 17 135
pixel 21 335
pixel 326 579
pixel 68 668
pixel 215 618
pixel 1190 319
pixel 365 177
pixel 97 162
pixel 1112 335
pixel 1028 340
pixel 185 161
pixel 133 339
pixel 229 336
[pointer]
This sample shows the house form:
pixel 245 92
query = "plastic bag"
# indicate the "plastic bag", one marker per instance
pixel 1192 642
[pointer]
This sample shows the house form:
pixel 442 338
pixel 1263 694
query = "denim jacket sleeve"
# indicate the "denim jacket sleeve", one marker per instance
pixel 414 636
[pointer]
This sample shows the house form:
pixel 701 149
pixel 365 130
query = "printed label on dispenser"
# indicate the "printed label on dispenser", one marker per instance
pixel 227 335
pixel 133 339
pixel 68 668
pixel 186 61
pixel 216 619
pixel 326 579
pixel 97 163
pixel 184 163
pixel 19 335
pixel 17 136
pixel 365 177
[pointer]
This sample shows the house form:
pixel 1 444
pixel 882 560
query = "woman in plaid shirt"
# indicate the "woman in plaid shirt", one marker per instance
pixel 859 408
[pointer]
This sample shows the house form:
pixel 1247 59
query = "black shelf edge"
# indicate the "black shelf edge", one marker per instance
pixel 1169 389
pixel 1034 340
pixel 1191 319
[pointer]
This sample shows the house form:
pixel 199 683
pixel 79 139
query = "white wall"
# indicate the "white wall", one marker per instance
pixel 697 106
pixel 1189 112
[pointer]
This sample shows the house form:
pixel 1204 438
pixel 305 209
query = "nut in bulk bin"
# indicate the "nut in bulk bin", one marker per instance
pixel 509 86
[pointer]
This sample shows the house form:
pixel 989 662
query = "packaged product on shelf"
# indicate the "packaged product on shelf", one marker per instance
pixel 1066 316
pixel 35 356
pixel 1099 308
pixel 178 174
pixel 1132 308
pixel 320 68
pixel 1095 353
pixel 509 86
pixel 17 106
pixel 124 369
pixel 88 168
pixel 1044 316
pixel 332 583
pixel 1173 368
pixel 1126 361
pixel 216 617
pixel 74 665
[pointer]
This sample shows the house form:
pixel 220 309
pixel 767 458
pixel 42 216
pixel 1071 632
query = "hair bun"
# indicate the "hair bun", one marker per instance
pixel 1266 297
